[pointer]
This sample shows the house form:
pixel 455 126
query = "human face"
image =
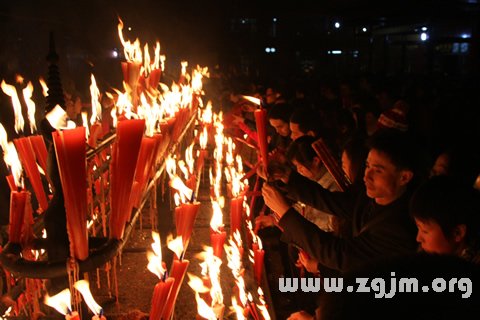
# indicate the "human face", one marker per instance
pixel 303 170
pixel 295 131
pixel 432 239
pixel 384 182
pixel 281 127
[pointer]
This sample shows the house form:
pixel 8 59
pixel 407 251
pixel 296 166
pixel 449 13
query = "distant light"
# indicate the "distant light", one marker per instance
pixel 465 35
pixel 274 19
pixel 424 28
pixel 337 25
pixel 355 53
pixel 244 21
pixel 334 52
pixel 272 50
pixel 423 36
pixel 268 50
pixel 114 53
pixel 364 29
pixel 129 28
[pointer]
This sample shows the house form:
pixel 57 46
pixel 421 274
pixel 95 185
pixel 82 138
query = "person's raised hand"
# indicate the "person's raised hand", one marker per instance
pixel 275 200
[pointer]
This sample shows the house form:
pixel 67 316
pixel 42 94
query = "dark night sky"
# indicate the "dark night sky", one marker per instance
pixel 86 30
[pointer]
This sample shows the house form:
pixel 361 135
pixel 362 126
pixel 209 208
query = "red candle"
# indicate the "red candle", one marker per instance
pixel 217 240
pixel 19 202
pixel 179 268
pixel 70 149
pixel 154 78
pixel 97 317
pixel 96 132
pixel 131 74
pixel 27 157
pixel 11 183
pixel 236 214
pixel 261 123
pixel 161 293
pixel 258 256
pixel 122 169
pixel 185 215
pixel 40 150
pixel 144 164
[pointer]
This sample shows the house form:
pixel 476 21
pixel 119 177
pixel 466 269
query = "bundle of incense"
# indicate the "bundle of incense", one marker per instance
pixel 331 164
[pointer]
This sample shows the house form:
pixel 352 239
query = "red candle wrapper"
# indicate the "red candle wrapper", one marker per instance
pixel 261 123
pixel 179 268
pixel 70 149
pixel 122 170
pixel 185 215
pixel 236 214
pixel 217 240
pixel 40 150
pixel 161 292
pixel 27 157
pixel 19 204
pixel 258 256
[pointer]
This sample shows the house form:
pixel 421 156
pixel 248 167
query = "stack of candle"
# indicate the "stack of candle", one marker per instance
pixel 164 286
pixel 70 149
pixel 178 270
pixel 122 169
pixel 217 234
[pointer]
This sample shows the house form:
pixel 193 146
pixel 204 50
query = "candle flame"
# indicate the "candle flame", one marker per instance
pixel 44 86
pixel 237 309
pixel 203 139
pixel 196 283
pixel 207 114
pixel 57 117
pixel 203 309
pixel 177 184
pixel 217 217
pixel 96 105
pixel 11 91
pixel 60 302
pixel 155 264
pixel 27 95
pixel 132 51
pixel 84 288
pixel 10 156
pixel 175 245
pixel 254 100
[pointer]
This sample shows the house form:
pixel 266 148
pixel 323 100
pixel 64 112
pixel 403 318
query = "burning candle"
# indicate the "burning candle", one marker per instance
pixel 161 292
pixel 179 268
pixel 258 257
pixel 163 288
pixel 27 157
pixel 70 148
pixel 122 171
pixel 185 215
pixel 61 303
pixel 261 122
pixel 217 234
pixel 84 288
pixel 236 214
pixel 217 240
pixel 19 203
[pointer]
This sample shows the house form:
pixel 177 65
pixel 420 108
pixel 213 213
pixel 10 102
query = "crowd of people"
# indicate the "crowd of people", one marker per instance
pixel 410 201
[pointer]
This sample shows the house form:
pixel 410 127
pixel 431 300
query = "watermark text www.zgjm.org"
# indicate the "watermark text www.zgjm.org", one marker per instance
pixel 377 285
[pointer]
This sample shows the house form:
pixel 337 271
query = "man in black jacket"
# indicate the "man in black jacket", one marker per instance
pixel 381 226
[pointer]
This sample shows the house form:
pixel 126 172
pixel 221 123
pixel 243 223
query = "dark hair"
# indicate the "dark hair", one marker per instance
pixel 398 146
pixel 357 151
pixel 302 151
pixel 307 120
pixel 449 202
pixel 281 111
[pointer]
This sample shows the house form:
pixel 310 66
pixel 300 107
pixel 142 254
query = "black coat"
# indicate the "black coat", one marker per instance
pixel 376 231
